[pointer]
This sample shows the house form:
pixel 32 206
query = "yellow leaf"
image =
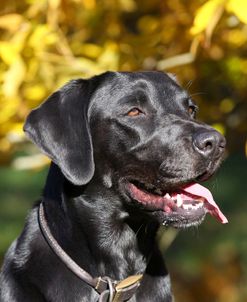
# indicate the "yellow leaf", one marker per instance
pixel 148 24
pixel 128 5
pixel 82 65
pixel 11 22
pixel 226 105
pixel 220 127
pixel 8 52
pixel 16 134
pixel 204 15
pixel 8 108
pixel 110 57
pixel 4 145
pixel 19 38
pixel 54 4
pixel 35 92
pixel 33 68
pixel 17 128
pixel 91 50
pixel 89 4
pixel 35 8
pixel 42 33
pixel 14 77
pixel 236 37
pixel 239 8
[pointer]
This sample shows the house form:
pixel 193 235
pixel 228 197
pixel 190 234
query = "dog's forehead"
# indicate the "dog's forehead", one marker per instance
pixel 153 85
pixel 151 81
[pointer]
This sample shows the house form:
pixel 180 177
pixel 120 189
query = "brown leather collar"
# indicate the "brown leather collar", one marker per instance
pixel 109 290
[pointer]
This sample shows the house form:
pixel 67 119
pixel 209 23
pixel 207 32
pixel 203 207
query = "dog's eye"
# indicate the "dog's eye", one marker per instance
pixel 192 110
pixel 135 112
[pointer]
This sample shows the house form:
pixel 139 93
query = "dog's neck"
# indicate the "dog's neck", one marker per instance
pixel 99 228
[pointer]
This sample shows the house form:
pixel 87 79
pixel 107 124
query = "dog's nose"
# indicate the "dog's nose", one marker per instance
pixel 209 142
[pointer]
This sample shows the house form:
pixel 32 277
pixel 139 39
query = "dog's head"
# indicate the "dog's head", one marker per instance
pixel 138 131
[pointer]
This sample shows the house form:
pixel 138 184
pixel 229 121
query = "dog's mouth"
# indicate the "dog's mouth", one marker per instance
pixel 181 208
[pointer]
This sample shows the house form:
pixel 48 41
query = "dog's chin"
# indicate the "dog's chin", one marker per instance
pixel 168 209
pixel 180 220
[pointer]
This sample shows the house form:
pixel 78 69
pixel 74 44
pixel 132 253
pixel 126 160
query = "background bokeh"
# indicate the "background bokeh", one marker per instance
pixel 45 43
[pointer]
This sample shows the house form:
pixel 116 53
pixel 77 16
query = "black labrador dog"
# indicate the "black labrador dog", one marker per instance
pixel 127 154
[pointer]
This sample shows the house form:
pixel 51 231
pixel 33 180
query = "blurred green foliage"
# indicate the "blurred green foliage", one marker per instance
pixel 18 191
pixel 45 43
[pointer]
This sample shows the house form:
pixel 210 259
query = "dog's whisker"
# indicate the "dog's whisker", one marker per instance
pixel 197 93
pixel 188 85
pixel 139 229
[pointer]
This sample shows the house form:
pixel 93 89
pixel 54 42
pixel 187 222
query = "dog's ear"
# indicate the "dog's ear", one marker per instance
pixel 59 127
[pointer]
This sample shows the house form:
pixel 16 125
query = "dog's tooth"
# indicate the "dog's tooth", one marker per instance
pixel 165 223
pixel 198 205
pixel 185 206
pixel 179 200
pixel 168 196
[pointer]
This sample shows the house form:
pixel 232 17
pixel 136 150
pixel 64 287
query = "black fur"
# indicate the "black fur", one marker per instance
pixel 97 148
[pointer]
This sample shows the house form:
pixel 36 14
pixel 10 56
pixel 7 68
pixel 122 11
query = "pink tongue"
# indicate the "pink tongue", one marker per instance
pixel 200 191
